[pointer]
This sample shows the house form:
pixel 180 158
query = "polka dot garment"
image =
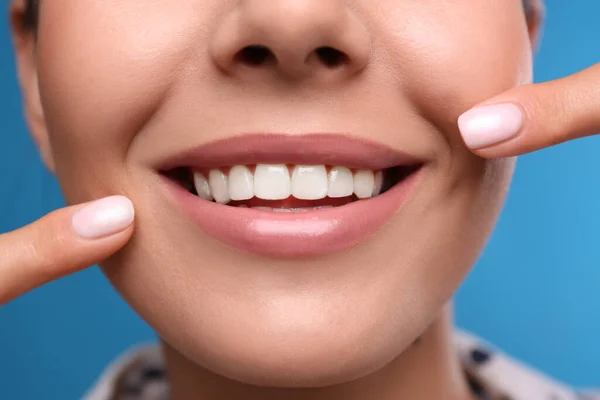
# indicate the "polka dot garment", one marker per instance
pixel 492 375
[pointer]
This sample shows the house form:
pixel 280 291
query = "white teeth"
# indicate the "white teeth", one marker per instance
pixel 219 186
pixel 241 183
pixel 364 183
pixel 341 182
pixel 272 182
pixel 309 182
pixel 378 183
pixel 263 208
pixel 202 187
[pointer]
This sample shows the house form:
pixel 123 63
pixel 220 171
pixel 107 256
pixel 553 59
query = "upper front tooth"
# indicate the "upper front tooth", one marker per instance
pixel 272 182
pixel 241 183
pixel 364 183
pixel 341 182
pixel 202 186
pixel 219 186
pixel 309 182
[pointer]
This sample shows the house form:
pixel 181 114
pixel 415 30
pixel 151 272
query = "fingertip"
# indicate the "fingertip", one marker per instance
pixel 489 125
pixel 105 217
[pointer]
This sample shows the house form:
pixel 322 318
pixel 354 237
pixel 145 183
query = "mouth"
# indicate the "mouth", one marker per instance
pixel 287 188
pixel 290 195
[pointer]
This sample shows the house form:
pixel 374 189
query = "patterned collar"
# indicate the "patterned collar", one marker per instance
pixel 140 375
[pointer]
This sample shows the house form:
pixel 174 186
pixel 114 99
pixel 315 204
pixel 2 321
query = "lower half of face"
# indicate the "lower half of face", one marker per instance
pixel 339 119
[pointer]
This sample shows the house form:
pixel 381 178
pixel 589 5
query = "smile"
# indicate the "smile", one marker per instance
pixel 290 195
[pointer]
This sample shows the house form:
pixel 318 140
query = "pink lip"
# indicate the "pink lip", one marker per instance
pixel 327 149
pixel 293 235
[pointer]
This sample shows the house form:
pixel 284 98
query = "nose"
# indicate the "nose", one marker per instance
pixel 295 38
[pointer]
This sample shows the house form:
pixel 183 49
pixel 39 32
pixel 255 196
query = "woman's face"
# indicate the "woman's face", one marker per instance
pixel 298 299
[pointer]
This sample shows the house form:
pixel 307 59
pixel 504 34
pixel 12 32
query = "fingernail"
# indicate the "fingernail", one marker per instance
pixel 103 217
pixel 487 125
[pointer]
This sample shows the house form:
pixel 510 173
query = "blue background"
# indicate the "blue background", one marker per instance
pixel 535 292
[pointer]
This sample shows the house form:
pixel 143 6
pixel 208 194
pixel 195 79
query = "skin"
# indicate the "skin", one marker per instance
pixel 102 103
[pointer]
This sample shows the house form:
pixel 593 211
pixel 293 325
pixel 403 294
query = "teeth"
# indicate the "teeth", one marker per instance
pixel 241 183
pixel 364 183
pixel 309 182
pixel 378 183
pixel 341 182
pixel 202 186
pixel 219 186
pixel 272 182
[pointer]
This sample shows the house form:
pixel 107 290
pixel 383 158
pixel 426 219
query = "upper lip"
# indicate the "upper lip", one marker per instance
pixel 305 149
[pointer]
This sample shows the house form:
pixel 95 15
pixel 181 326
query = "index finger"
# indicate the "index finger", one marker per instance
pixel 535 116
pixel 61 243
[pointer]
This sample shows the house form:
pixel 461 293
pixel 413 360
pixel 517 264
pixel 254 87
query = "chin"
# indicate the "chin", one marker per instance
pixel 311 345
pixel 295 359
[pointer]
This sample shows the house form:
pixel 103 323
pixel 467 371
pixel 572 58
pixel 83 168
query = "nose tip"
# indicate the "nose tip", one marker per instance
pixel 297 38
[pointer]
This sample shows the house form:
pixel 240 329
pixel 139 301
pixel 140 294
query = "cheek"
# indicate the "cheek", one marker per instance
pixel 104 69
pixel 453 57
pixel 467 54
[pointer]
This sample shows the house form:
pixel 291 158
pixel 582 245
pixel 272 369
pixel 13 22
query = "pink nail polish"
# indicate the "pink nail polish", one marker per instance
pixel 487 125
pixel 103 217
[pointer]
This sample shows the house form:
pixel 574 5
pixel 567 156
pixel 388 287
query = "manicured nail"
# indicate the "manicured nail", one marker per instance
pixel 103 217
pixel 487 125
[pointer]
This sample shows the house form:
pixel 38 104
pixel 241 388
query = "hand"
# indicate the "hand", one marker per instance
pixel 535 116
pixel 63 242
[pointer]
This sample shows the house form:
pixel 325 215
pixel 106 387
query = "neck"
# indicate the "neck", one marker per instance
pixel 429 369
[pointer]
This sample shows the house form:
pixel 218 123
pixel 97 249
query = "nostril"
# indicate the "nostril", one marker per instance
pixel 255 55
pixel 331 57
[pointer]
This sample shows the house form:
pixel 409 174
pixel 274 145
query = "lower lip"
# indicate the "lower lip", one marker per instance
pixel 293 235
